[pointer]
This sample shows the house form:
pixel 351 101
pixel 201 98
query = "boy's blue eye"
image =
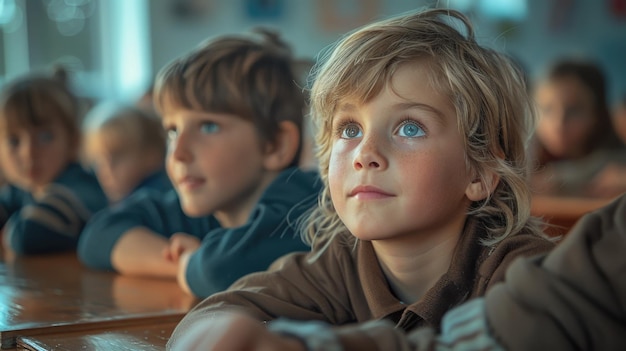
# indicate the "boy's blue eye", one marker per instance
pixel 209 127
pixel 411 130
pixel 351 131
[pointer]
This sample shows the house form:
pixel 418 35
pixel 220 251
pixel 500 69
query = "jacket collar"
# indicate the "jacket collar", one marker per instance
pixel 451 289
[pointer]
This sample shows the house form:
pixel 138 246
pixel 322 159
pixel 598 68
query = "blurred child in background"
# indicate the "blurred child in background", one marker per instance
pixel 233 111
pixel 50 196
pixel 575 140
pixel 619 119
pixel 126 147
pixel 421 148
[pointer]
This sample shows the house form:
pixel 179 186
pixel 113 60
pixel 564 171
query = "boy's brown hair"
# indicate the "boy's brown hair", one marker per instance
pixel 251 77
pixel 37 100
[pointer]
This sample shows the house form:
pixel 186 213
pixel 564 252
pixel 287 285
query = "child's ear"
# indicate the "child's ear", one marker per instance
pixel 480 187
pixel 283 150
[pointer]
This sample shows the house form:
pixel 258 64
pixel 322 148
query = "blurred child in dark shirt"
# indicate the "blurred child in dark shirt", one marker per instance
pixel 49 196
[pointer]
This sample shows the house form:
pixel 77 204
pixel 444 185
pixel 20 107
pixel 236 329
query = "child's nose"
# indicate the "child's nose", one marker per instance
pixel 29 149
pixel 179 148
pixel 369 155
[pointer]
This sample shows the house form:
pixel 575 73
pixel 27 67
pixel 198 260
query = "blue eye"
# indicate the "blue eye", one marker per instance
pixel 351 131
pixel 209 128
pixel 411 130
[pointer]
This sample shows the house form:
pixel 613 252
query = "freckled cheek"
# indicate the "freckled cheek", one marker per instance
pixel 337 170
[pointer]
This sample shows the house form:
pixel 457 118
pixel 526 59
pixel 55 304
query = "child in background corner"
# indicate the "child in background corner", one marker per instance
pixel 421 148
pixel 233 111
pixel 125 145
pixel 577 151
pixel 49 196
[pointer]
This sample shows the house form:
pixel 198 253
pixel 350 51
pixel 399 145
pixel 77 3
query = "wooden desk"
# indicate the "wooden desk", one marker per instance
pixel 56 294
pixel 561 212
pixel 135 338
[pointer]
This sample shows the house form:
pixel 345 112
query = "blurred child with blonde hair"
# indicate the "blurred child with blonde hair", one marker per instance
pixel 125 145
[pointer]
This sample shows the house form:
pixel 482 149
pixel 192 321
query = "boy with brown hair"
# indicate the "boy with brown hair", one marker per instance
pixel 233 114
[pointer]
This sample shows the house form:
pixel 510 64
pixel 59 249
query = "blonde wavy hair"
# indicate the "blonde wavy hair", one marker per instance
pixel 488 91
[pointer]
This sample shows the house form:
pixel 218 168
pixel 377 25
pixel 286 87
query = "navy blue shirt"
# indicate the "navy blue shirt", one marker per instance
pixel 155 210
pixel 225 254
pixel 156 181
pixel 54 221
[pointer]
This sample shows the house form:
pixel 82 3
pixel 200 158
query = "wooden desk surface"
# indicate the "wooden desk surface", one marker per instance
pixel 135 338
pixel 563 212
pixel 55 294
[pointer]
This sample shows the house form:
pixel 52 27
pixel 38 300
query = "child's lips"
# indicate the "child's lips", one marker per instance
pixel 363 192
pixel 190 183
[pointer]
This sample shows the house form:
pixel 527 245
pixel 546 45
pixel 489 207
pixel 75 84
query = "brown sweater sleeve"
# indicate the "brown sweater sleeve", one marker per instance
pixel 574 298
pixel 299 286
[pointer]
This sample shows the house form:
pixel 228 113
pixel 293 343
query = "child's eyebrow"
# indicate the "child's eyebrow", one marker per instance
pixel 416 105
pixel 346 107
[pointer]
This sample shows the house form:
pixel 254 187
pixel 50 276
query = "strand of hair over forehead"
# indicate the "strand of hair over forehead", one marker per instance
pixel 451 22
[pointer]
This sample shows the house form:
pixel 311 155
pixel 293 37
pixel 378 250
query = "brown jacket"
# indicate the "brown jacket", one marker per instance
pixel 573 298
pixel 341 283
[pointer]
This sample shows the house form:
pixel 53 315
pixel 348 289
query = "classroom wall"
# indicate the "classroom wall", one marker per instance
pixel 109 65
pixel 550 30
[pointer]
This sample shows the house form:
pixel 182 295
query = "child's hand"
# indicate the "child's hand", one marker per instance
pixel 234 332
pixel 180 243
pixel 611 181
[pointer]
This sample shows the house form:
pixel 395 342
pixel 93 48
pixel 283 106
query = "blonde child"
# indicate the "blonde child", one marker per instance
pixel 125 145
pixel 233 115
pixel 421 146
pixel 49 196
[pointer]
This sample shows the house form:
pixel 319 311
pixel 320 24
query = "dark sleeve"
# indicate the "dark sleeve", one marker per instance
pixel 158 212
pixel 11 200
pixel 572 299
pixel 54 221
pixel 226 254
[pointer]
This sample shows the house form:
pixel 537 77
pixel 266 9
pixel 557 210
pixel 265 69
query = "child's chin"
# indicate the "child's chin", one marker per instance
pixel 192 210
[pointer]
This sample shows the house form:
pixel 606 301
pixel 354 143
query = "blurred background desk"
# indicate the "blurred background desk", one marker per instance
pixel 47 294
pixel 562 212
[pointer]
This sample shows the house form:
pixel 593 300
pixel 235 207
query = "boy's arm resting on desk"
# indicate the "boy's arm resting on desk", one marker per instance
pixel 52 223
pixel 149 215
pixel 139 251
